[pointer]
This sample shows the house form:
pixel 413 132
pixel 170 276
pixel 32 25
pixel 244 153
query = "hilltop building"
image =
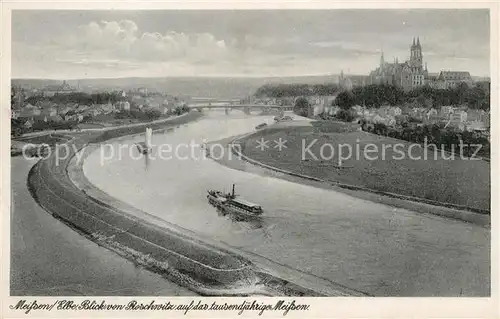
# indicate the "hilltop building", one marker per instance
pixel 451 79
pixel 350 81
pixel 413 73
pixel 345 83
pixel 407 75
pixel 52 90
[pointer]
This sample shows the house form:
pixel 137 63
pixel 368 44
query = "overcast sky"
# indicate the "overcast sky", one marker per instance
pixel 90 44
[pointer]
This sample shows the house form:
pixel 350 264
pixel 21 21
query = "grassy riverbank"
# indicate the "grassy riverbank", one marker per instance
pixel 455 181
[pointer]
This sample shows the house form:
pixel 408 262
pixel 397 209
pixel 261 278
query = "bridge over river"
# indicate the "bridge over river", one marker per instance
pixel 247 108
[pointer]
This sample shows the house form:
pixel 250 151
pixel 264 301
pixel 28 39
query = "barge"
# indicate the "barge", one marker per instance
pixel 231 203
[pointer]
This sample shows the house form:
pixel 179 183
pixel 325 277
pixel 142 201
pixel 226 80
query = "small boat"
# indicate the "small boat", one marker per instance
pixel 143 148
pixel 230 203
pixel 285 118
pixel 260 126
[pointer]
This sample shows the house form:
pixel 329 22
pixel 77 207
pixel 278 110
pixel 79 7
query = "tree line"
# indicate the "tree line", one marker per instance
pixel 435 134
pixel 294 90
pixel 78 97
pixel 375 96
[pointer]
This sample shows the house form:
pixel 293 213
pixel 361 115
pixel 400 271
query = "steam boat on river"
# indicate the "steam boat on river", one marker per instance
pixel 230 203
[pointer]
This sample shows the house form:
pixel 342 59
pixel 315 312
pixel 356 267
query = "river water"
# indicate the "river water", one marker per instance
pixel 366 246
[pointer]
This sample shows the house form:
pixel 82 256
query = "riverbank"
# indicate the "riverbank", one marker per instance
pixel 456 184
pixel 94 127
pixel 47 258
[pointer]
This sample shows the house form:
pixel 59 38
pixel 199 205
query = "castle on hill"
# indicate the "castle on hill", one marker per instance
pixel 407 75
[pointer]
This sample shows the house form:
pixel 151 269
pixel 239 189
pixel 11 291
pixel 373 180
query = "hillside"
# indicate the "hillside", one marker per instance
pixel 212 87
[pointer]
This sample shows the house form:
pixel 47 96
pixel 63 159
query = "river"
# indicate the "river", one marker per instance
pixel 366 246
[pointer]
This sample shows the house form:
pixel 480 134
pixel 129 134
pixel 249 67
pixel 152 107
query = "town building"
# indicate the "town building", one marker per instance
pixel 52 90
pixel 390 110
pixel 17 98
pixel 123 106
pixel 319 103
pixel 457 119
pixel 332 109
pixel 344 82
pixel 451 79
pixel 446 110
pixel 49 111
pixel 476 126
pixel 63 109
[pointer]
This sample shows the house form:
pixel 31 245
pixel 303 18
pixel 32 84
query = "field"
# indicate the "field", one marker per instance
pixel 378 163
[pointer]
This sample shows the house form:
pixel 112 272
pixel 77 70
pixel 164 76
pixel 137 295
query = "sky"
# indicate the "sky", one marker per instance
pixel 109 44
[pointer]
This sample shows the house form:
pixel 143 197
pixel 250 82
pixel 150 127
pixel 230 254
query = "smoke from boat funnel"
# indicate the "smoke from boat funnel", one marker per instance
pixel 233 191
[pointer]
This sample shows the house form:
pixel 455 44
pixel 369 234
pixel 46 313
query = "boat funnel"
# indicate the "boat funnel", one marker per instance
pixel 233 192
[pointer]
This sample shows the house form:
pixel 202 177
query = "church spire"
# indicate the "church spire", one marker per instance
pixel 418 41
pixel 382 61
pixel 413 41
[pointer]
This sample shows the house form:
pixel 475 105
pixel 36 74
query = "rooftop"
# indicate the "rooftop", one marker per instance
pixel 244 202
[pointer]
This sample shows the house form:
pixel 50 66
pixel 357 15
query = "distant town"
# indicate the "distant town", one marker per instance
pixel 58 107
pixel 398 99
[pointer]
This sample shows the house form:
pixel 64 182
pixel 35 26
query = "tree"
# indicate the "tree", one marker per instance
pixel 346 116
pixel 345 100
pixel 461 92
pixel 16 127
pixel 380 129
pixel 301 107
pixel 153 114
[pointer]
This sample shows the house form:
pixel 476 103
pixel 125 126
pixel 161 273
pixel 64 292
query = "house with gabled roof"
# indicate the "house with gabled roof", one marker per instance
pixel 49 111
pixel 29 123
pixel 63 109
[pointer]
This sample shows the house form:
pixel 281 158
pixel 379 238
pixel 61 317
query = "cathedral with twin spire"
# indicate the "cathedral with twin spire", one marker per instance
pixel 407 75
